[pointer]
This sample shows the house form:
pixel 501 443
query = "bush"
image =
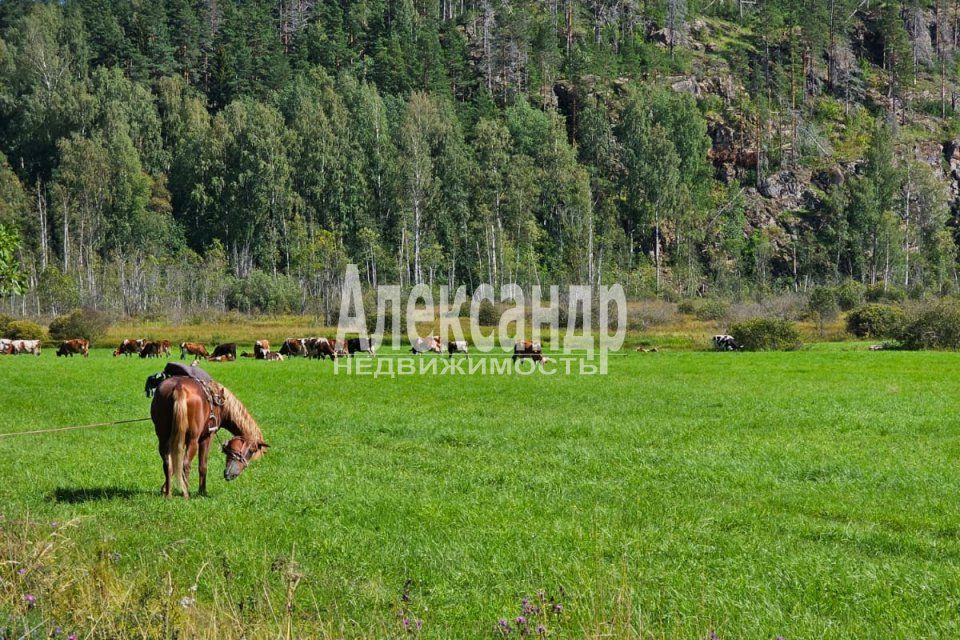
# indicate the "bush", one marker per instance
pixel 713 310
pixel 823 305
pixel 850 294
pixel 263 293
pixel 877 293
pixel 687 307
pixel 766 334
pixel 488 315
pixel 80 323
pixel 23 330
pixel 5 321
pixel 876 321
pixel 933 327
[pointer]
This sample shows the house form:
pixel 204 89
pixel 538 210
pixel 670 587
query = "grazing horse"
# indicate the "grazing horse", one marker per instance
pixel 185 417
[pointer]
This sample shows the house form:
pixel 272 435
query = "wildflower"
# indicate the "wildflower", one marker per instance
pixel 21 572
pixel 72 636
pixel 406 623
pixel 558 608
pixel 56 631
pixel 521 621
pixel 187 602
pixel 541 630
pixel 418 623
pixel 30 599
pixel 503 626
pixel 54 524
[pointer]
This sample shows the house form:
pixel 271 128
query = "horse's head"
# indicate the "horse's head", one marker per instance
pixel 240 453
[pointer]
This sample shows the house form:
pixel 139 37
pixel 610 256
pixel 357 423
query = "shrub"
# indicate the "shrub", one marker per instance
pixel 487 314
pixel 5 321
pixel 823 305
pixel 687 307
pixel 933 327
pixel 23 330
pixel 850 294
pixel 713 310
pixel 80 323
pixel 766 334
pixel 876 321
pixel 877 293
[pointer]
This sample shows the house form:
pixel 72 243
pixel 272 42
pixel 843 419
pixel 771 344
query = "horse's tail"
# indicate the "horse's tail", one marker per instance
pixel 178 438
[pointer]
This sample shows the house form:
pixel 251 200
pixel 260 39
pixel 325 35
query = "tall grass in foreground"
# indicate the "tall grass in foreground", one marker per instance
pixel 50 588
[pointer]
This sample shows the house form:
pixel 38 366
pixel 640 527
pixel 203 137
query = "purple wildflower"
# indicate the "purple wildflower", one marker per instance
pixel 418 623
pixel 503 626
pixel 521 620
pixel 405 622
pixel 72 636
pixel 21 572
pixel 56 631
pixel 541 630
pixel 558 608
pixel 30 599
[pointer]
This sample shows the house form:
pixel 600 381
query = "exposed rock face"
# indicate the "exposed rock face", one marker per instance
pixel 784 184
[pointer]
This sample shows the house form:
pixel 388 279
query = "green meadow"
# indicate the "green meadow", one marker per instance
pixel 811 494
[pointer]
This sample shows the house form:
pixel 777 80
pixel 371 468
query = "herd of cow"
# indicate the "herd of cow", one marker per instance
pixel 321 348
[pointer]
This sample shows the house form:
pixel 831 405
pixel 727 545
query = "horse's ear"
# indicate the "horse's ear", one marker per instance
pixel 263 445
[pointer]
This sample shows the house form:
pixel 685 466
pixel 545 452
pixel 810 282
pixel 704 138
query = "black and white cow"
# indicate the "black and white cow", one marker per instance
pixel 457 346
pixel 725 343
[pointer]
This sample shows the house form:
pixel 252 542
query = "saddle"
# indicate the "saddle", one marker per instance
pixel 211 389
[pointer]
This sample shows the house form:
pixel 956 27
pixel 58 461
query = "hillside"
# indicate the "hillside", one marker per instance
pixel 172 156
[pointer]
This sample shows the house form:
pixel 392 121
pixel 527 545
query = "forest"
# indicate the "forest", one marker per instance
pixel 161 156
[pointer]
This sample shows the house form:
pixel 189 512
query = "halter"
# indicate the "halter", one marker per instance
pixel 242 457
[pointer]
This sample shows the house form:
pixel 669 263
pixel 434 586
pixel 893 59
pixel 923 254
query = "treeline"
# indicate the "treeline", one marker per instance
pixel 190 154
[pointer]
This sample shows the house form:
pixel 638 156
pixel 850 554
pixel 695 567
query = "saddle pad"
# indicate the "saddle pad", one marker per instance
pixel 177 369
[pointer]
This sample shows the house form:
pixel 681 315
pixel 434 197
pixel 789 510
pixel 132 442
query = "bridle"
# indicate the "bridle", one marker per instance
pixel 241 457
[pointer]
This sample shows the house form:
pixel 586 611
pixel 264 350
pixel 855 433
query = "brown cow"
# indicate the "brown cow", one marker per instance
pixel 321 348
pixel 227 357
pixel 527 349
pixel 128 348
pixel 194 349
pixel 164 346
pixel 150 350
pixel 293 347
pixel 70 347
pixel 260 349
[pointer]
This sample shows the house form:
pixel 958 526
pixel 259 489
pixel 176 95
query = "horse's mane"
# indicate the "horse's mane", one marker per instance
pixel 234 414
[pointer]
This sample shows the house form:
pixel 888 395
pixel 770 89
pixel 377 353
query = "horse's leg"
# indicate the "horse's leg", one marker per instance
pixel 204 454
pixel 165 461
pixel 187 463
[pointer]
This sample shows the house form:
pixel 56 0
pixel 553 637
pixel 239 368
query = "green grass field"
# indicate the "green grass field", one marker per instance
pixel 811 494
